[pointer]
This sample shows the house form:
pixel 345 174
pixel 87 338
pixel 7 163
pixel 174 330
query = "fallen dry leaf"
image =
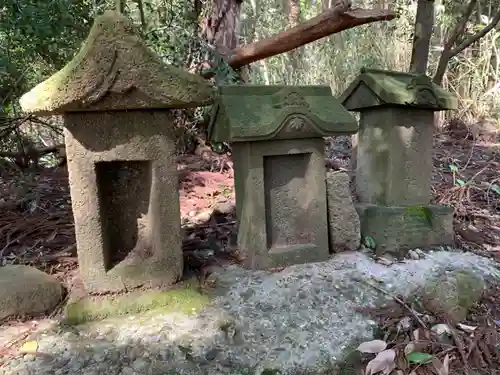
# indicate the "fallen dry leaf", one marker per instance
pixel 442 368
pixel 374 346
pixel 383 362
pixel 29 347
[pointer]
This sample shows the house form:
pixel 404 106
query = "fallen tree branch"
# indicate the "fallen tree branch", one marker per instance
pixel 332 21
pixel 397 299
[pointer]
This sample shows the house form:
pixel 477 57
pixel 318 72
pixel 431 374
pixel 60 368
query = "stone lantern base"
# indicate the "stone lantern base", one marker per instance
pixel 397 229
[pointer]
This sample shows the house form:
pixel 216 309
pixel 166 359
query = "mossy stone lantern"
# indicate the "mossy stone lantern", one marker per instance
pixel 276 133
pixel 115 98
pixel 394 158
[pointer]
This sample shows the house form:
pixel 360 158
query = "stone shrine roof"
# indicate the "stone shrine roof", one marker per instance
pixel 251 113
pixel 115 70
pixel 375 88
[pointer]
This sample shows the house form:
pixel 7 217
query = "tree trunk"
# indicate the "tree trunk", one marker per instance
pixel 120 6
pixel 451 49
pixel 221 24
pixel 293 9
pixel 424 22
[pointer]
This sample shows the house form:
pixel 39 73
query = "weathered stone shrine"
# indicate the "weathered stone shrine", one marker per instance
pixel 114 97
pixel 278 152
pixel 394 159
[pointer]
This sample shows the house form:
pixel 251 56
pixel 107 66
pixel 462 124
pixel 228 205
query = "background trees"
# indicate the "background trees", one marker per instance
pixel 457 43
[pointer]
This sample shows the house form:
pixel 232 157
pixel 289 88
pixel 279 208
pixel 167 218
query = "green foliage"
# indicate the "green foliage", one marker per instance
pixel 419 358
pixel 369 242
pixel 36 38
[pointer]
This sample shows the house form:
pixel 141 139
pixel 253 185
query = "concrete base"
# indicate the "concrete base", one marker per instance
pixel 281 202
pixel 398 229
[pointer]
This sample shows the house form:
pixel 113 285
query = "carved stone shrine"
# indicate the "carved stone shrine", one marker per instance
pixel 115 97
pixel 277 141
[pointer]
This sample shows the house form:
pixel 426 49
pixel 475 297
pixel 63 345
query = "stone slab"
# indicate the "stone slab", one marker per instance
pixel 398 229
pixel 394 156
pixel 281 202
pixel 343 219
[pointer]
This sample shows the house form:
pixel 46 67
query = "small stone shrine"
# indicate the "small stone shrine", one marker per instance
pixel 115 97
pixel 277 141
pixel 394 159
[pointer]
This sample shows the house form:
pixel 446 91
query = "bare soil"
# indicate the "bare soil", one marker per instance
pixel 36 228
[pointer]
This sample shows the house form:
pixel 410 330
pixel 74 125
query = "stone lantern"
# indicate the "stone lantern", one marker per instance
pixel 115 98
pixel 276 134
pixel 394 159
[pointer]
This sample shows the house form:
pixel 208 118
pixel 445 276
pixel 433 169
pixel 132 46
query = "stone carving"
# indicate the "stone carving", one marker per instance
pixel 268 110
pixel 297 125
pixel 423 93
pixel 287 98
pixel 280 183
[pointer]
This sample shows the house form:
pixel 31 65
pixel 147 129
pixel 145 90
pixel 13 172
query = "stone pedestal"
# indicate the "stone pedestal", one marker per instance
pixel 396 229
pixel 394 159
pixel 278 154
pixel 115 97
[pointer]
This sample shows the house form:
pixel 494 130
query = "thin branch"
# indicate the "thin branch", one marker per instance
pixel 141 13
pixel 474 38
pixel 397 299
pixel 460 26
pixel 450 52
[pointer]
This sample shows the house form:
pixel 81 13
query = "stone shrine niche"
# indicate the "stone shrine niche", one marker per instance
pixel 277 134
pixel 115 97
pixel 124 193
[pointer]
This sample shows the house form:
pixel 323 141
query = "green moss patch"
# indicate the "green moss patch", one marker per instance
pixel 185 300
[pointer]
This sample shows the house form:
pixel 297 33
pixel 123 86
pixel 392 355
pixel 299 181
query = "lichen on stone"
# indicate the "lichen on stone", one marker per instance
pixel 451 295
pixel 114 69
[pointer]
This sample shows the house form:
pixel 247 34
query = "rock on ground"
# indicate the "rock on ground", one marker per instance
pixel 299 321
pixel 343 219
pixel 452 294
pixel 26 291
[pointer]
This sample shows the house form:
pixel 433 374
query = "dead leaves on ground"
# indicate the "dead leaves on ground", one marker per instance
pixel 442 349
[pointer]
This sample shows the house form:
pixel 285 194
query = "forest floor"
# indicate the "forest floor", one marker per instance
pixel 36 226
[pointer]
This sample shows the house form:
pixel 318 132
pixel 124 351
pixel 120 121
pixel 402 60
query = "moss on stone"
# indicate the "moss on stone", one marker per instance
pixel 257 113
pixel 374 88
pixel 114 69
pixel 184 300
pixel 453 294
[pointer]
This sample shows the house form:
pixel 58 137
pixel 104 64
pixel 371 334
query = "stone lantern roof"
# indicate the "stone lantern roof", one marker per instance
pixel 383 88
pixel 115 70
